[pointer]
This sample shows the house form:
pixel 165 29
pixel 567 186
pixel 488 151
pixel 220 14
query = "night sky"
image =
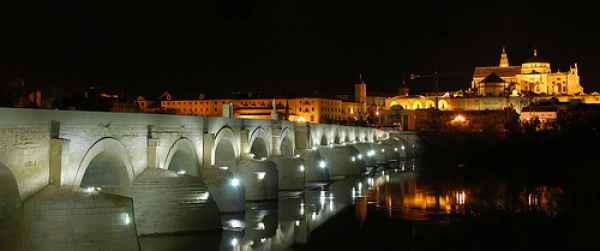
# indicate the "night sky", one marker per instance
pixel 290 47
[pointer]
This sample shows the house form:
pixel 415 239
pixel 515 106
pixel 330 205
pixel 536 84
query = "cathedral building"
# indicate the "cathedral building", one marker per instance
pixel 533 77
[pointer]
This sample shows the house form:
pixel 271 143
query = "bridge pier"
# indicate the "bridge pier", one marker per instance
pixel 291 172
pixel 226 189
pixel 340 161
pixel 58 146
pixel 66 219
pixel 259 178
pixel 315 167
pixel 367 153
pixel 165 202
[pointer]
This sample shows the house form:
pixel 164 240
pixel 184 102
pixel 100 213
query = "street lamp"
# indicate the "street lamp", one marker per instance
pixel 235 182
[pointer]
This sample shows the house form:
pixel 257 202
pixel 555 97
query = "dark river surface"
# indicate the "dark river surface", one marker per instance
pixel 396 207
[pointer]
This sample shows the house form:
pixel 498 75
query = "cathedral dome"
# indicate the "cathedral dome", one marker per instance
pixel 535 65
pixel 536 58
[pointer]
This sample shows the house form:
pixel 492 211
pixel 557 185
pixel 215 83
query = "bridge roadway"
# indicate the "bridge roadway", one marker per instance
pixel 75 180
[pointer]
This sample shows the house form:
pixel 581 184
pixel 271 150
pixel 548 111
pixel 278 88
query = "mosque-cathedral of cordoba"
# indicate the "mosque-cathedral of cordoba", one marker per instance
pixel 502 86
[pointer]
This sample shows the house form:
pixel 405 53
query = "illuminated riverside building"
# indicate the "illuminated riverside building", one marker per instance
pixel 505 86
pixel 534 76
pixel 309 109
pixel 493 88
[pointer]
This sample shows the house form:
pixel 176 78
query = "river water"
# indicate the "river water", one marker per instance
pixel 394 207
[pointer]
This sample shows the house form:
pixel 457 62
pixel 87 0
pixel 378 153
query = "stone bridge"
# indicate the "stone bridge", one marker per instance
pixel 76 180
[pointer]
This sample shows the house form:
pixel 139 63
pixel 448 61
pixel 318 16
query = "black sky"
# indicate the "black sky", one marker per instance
pixel 291 47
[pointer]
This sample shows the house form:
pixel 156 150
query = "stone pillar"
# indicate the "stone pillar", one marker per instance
pixel 276 139
pixel 153 161
pixel 57 147
pixel 208 141
pixel 228 111
pixel 244 143
pixel 302 137
pixel 55 158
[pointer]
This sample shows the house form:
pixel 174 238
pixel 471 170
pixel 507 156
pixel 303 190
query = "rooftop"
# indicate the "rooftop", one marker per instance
pixel 482 72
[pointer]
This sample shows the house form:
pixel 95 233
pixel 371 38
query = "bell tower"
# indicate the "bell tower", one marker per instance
pixel 360 91
pixel 503 58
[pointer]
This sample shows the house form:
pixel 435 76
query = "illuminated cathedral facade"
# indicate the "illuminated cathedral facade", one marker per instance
pixel 533 77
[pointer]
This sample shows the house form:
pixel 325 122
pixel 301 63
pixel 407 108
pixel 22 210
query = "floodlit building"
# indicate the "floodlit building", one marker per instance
pixel 308 109
pixel 533 77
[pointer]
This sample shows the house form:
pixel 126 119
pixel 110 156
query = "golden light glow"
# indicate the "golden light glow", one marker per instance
pixel 460 197
pixel 300 119
pixel 459 119
pixel 410 201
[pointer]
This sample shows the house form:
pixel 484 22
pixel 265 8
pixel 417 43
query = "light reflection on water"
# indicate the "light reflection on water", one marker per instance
pixel 397 189
pixel 404 196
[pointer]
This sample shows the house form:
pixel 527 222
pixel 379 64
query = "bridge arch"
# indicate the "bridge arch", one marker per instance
pixel 105 164
pixel 183 156
pixel 287 142
pixel 324 141
pixel 259 143
pixel 347 134
pixel 225 151
pixel 10 202
pixel 338 137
